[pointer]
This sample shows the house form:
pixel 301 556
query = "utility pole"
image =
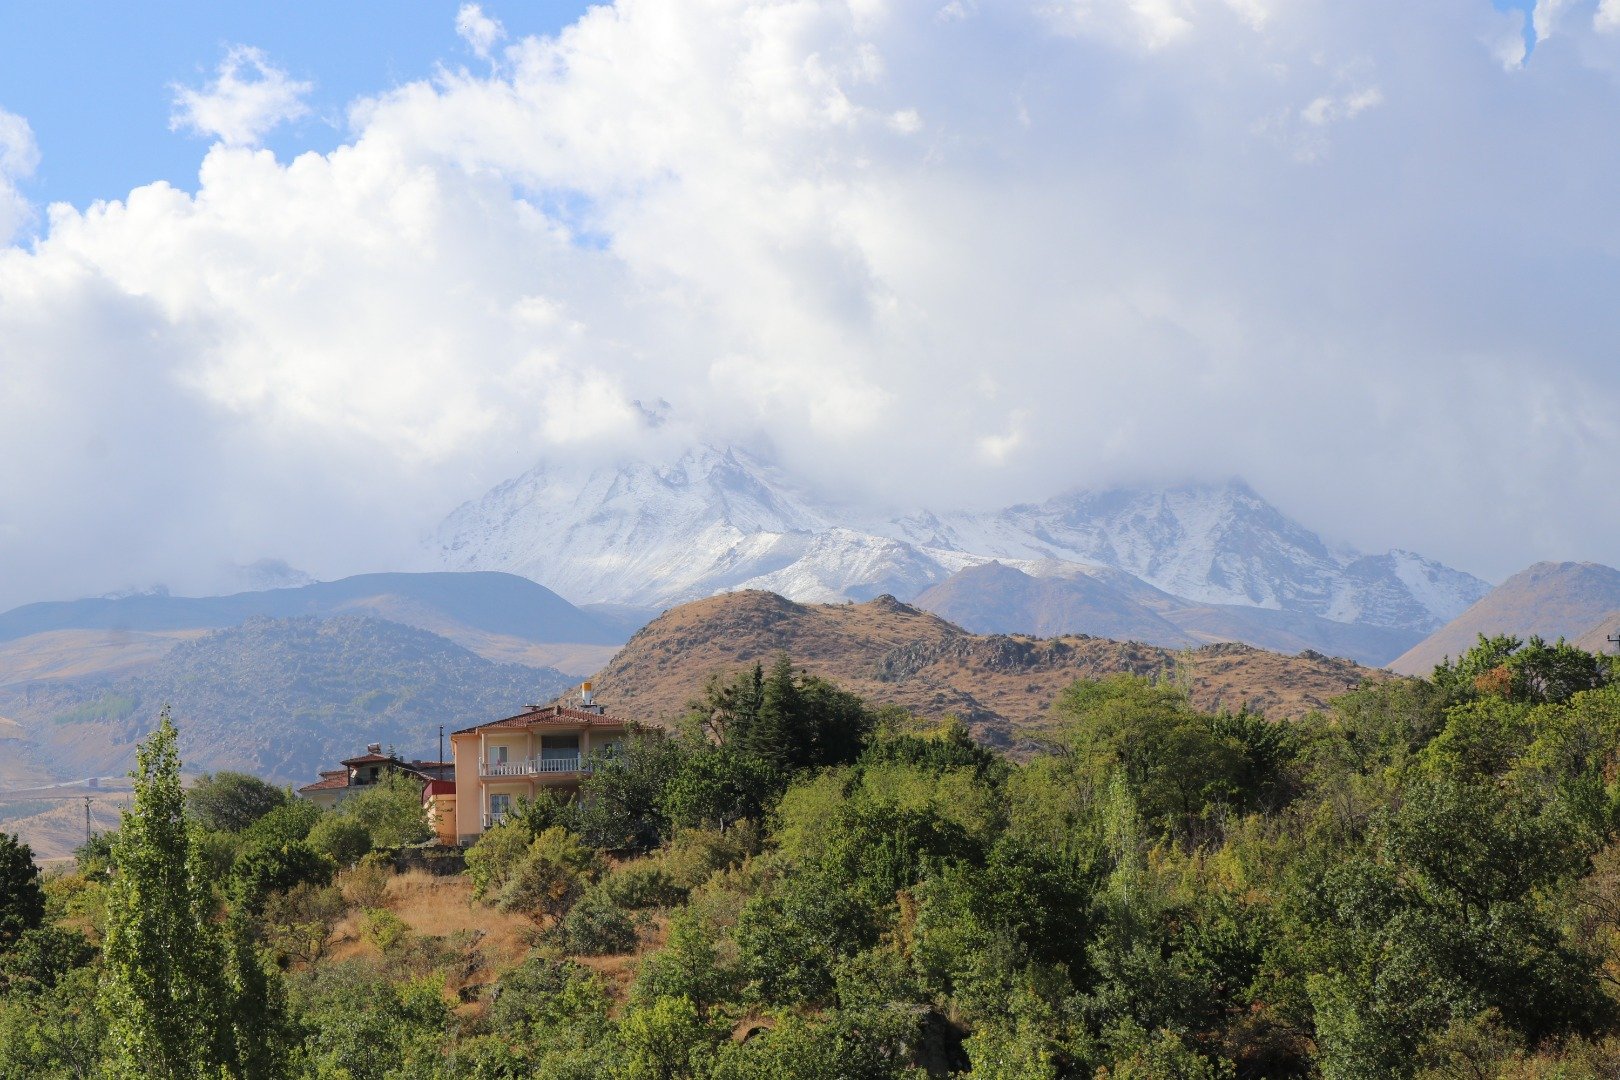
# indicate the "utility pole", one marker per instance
pixel 441 744
pixel 87 821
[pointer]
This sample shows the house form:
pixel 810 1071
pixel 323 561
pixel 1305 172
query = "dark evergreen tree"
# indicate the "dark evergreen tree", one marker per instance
pixel 22 900
pixel 777 734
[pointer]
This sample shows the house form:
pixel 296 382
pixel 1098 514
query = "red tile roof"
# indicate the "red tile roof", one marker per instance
pixel 328 782
pixel 369 759
pixel 550 714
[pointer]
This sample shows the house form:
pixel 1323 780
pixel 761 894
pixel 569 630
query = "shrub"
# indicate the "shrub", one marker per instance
pixel 492 861
pixel 286 824
pixel 299 922
pixel 550 1000
pixel 556 867
pixel 345 839
pixel 687 966
pixel 696 855
pixel 385 930
pixel 642 884
pixel 595 926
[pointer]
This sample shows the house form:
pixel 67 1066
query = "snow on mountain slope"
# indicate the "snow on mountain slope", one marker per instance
pixel 719 519
pixel 1214 544
pixel 650 535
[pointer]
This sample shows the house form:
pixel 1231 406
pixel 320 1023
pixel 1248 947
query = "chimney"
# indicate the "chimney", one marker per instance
pixel 374 748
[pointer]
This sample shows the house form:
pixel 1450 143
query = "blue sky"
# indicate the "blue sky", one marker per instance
pixel 94 79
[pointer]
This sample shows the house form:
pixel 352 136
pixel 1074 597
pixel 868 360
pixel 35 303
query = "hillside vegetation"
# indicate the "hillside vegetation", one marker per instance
pixel 282 698
pixel 1421 882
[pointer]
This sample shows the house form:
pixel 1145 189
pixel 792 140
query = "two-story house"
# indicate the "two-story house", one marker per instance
pixel 544 747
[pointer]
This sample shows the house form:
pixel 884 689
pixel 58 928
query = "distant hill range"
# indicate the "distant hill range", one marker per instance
pixel 485 606
pixel 279 698
pixel 894 653
pixel 1576 601
pixel 1191 562
pixel 436 645
pixel 996 598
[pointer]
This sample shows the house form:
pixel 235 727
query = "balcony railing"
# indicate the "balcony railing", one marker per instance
pixel 492 820
pixel 534 766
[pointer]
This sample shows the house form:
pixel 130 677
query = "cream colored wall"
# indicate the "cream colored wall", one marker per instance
pixel 442 816
pixel 517 745
pixel 464 751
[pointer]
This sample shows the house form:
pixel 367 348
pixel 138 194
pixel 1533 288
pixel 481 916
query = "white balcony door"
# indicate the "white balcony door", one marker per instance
pixel 497 755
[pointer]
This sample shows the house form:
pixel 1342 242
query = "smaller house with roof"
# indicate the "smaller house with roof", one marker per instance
pixel 358 773
pixel 550 748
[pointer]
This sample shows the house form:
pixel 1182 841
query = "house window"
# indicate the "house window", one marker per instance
pixel 559 747
pixel 497 755
pixel 500 806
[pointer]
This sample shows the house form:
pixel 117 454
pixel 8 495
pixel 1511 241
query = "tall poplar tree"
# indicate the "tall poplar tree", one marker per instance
pixel 163 988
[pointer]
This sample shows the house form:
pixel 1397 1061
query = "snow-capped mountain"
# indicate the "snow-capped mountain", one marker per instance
pixel 718 519
pixel 1213 544
pixel 650 535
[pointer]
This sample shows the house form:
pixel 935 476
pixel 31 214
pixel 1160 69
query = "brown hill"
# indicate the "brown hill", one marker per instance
pixel 893 653
pixel 1552 600
pixel 1597 638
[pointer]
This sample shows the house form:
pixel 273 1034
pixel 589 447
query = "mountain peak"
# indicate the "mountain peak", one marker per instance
pixel 717 518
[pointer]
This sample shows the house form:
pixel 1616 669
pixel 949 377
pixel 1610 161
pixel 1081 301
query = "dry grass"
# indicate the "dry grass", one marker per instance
pixel 444 905
pixel 441 907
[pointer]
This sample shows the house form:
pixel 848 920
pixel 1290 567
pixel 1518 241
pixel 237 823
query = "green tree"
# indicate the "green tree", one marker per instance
pixel 621 806
pixel 1532 671
pixel 775 733
pixel 22 900
pixel 344 839
pixel 266 868
pixel 288 823
pixel 717 786
pixel 1175 760
pixel 391 810
pixel 231 801
pixel 664 1040
pixel 163 978
pixel 550 877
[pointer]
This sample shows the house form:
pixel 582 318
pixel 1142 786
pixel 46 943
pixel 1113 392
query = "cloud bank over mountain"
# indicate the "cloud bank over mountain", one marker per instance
pixel 934 253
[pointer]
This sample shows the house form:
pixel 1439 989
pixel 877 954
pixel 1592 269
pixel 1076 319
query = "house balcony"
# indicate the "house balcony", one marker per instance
pixel 535 767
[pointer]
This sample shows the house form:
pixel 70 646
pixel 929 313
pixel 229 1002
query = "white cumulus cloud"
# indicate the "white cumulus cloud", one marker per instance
pixel 247 99
pixel 823 225
pixel 481 32
pixel 19 157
